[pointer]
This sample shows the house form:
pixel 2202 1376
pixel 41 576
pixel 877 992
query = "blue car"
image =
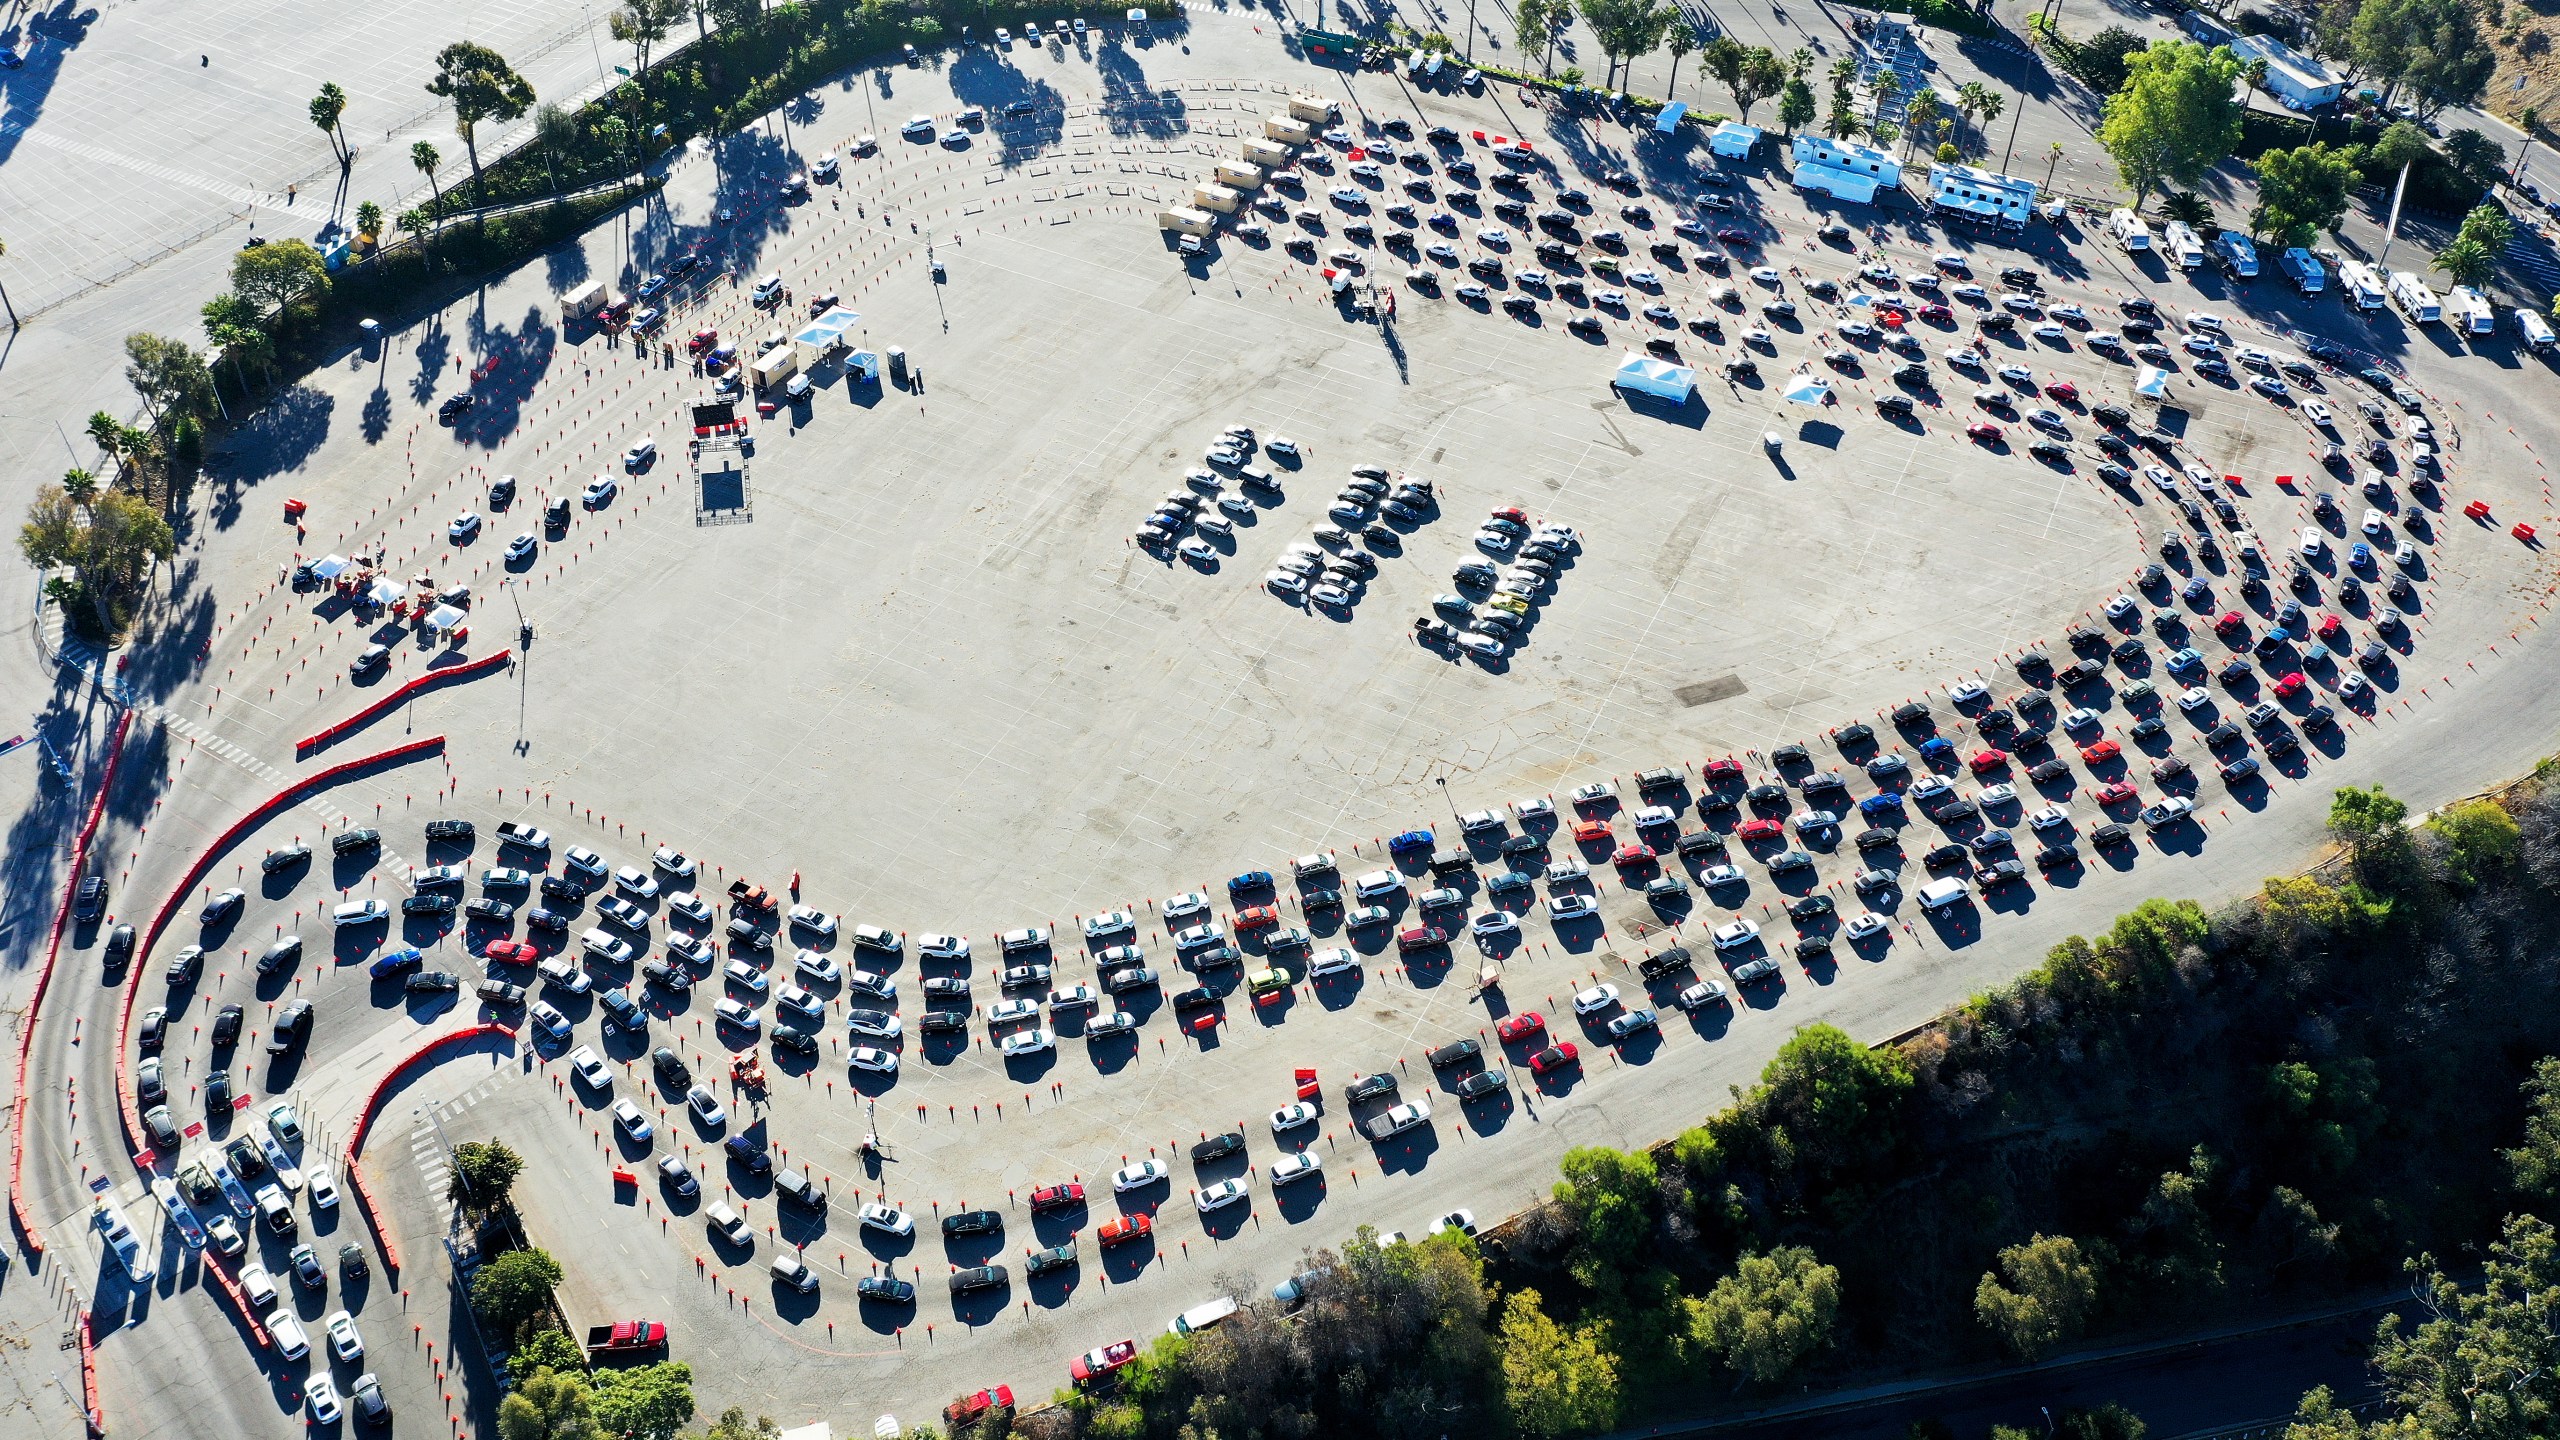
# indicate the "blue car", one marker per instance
pixel 1509 882
pixel 1249 881
pixel 651 288
pixel 2185 660
pixel 398 962
pixel 1410 840
pixel 2197 589
pixel 1882 802
pixel 1937 747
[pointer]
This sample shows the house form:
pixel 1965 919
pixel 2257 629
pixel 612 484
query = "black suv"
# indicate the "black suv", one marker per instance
pixel 93 898
pixel 449 830
pixel 348 842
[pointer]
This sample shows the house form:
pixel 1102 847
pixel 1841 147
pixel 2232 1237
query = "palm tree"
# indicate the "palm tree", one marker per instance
pixel 1682 39
pixel 1919 115
pixel 81 486
pixel 2256 74
pixel 424 156
pixel 104 432
pixel 1799 62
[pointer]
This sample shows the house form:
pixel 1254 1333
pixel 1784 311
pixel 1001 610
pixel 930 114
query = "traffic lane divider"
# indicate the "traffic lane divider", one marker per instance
pixel 366 716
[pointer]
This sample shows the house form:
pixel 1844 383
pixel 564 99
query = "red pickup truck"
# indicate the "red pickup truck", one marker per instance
pixel 626 1335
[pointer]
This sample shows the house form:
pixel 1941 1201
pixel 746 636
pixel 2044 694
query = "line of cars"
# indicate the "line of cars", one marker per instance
pixel 1509 598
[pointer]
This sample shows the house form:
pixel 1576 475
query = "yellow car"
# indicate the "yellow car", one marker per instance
pixel 1266 982
pixel 1516 604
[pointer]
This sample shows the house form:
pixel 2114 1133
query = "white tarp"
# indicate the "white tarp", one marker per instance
pixel 330 567
pixel 2152 383
pixel 445 617
pixel 1655 377
pixel 1807 388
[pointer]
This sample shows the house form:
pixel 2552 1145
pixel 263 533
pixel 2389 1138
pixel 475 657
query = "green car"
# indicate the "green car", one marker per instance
pixel 1041 1262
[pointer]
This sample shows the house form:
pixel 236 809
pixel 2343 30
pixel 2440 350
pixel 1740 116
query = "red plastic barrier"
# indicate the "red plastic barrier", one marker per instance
pixel 90 1409
pixel 364 1124
pixel 179 895
pixel 44 978
pixel 240 1302
pixel 431 679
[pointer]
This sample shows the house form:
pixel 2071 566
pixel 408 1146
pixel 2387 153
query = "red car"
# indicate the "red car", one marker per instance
pixel 702 340
pixel 2097 750
pixel 1589 831
pixel 1937 312
pixel 1520 1026
pixel 1093 1365
pixel 1983 430
pixel 1056 1197
pixel 1554 1057
pixel 1738 237
pixel 1634 852
pixel 1127 1227
pixel 1257 917
pixel 1423 937
pixel 2331 626
pixel 2116 791
pixel 1987 760
pixel 2063 390
pixel 519 951
pixel 1512 513
pixel 2291 685
pixel 2226 622
pixel 1726 769
pixel 1760 829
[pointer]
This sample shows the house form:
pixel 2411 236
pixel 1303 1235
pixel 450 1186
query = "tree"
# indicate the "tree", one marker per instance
pixel 2535 1165
pixel 1625 29
pixel 2175 118
pixel 513 1288
pixel 484 1171
pixel 2361 816
pixel 1843 120
pixel 81 486
pixel 2481 160
pixel 2482 1363
pixel 1609 1195
pixel 641 24
pixel 1555 1381
pixel 2490 226
pixel 1534 31
pixel 1920 115
pixel 1773 1312
pixel 547 1350
pixel 2040 1295
pixel 169 375
pixel 733 1424
pixel 1883 88
pixel 369 221
pixel 2480 836
pixel 644 1402
pixel 1682 39
pixel 1840 1102
pixel 2106 58
pixel 2107 1422
pixel 548 1406
pixel 326 109
pixel 2433 47
pixel 2187 207
pixel 482 86
pixel 2467 262
pixel 1763 75
pixel 108 541
pixel 276 276
pixel 2255 72
pixel 2301 192
pixel 231 323
pixel 426 158
pixel 1795 105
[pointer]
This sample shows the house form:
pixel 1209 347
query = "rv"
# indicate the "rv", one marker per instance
pixel 2472 313
pixel 2305 270
pixel 2128 231
pixel 2179 239
pixel 2414 298
pixel 2238 256
pixel 2535 330
pixel 2362 284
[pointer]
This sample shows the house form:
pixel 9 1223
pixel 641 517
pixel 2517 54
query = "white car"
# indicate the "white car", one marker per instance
pixel 2199 320
pixel 589 1067
pixel 324 1189
pixel 1109 922
pixel 2194 697
pixel 1074 997
pixel 1102 1027
pixel 464 525
pixel 225 1234
pixel 935 946
pixel 887 1219
pixel 2319 414
pixel 1594 793
pixel 1028 1042
pixel 319 1392
pixel 675 862
pixel 1570 907
pixel 818 965
pixel 1968 691
pixel 2121 606
pixel 633 1123
pixel 874 1059
pixel 1492 923
pixel 598 491
pixel 1332 961
pixel 548 1019
pixel 2314 544
pixel 639 456
pixel 635 882
pixel 1865 925
pixel 1596 999
pixel 1295 1166
pixel 1005 1012
pixel 1716 875
pixel 283 1123
pixel 1651 816
pixel 922 125
pixel 1765 274
pixel 1221 1195
pixel 1284 583
pixel 706 1105
pixel 814 920
pixel 1994 796
pixel 1189 902
pixel 1290 1117
pixel 1735 935
pixel 1570 868
pixel 733 1011
pixel 288 1174
pixel 2050 817
pixel 1533 809
pixel 1138 1176
pixel 344 1340
pixel 563 972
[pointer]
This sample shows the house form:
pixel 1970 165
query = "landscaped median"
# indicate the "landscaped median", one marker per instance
pixel 364 1124
pixel 130 1117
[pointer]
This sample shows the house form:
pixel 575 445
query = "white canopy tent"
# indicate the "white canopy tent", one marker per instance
pixel 445 617
pixel 2152 383
pixel 1806 388
pixel 384 592
pixel 330 567
pixel 1645 375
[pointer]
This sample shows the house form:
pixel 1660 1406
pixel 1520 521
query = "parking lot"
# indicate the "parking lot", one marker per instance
pixel 928 681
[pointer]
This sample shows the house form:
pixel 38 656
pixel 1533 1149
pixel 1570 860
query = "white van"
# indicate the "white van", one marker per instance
pixel 1201 1317
pixel 1940 894
pixel 2128 231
